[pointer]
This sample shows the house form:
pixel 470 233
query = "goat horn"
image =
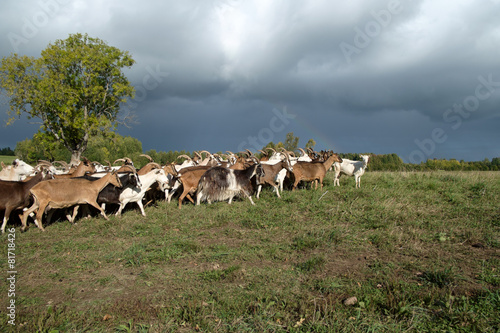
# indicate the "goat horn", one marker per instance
pixel 148 157
pixel 65 165
pixel 62 163
pixel 269 148
pixel 230 152
pixel 185 156
pixel 129 167
pixel 119 160
pixel 287 156
pixel 302 151
pixel 155 165
pixel 282 149
pixel 43 163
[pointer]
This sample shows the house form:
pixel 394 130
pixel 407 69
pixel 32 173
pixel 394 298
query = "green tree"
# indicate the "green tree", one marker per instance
pixel 7 151
pixel 291 142
pixel 75 88
pixel 310 144
pixel 102 147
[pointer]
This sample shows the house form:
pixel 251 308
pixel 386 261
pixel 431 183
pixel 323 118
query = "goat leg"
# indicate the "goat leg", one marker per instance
pixel 96 205
pixel 71 218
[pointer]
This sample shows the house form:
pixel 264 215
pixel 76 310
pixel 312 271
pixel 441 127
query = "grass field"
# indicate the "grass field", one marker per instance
pixel 419 251
pixel 7 159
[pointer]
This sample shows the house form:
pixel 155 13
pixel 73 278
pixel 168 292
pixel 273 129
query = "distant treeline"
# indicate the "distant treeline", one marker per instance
pixel 112 146
pixel 392 162
pixel 7 152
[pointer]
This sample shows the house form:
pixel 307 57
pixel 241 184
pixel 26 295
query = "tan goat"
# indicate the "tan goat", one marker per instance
pixel 82 168
pixel 189 178
pixel 313 171
pixel 63 193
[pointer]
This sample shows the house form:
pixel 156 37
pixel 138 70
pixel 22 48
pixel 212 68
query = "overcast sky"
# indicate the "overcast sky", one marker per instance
pixel 420 78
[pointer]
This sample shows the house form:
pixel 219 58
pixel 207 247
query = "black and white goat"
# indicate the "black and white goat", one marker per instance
pixel 219 183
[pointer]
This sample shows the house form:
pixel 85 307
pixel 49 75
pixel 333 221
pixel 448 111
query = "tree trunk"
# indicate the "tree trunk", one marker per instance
pixel 75 157
pixel 76 152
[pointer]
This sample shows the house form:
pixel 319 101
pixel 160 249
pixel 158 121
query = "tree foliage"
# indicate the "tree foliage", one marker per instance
pixel 7 151
pixel 75 89
pixel 102 147
pixel 291 142
pixel 310 144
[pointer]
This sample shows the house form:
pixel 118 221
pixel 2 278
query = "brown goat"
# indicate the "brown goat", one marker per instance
pixel 313 171
pixel 82 168
pixel 271 173
pixel 16 194
pixel 63 193
pixel 190 177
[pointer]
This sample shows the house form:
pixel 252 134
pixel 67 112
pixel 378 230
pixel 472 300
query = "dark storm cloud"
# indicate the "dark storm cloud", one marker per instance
pixel 361 76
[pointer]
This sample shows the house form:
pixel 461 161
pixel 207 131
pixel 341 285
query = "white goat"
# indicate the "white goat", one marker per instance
pixel 351 168
pixel 133 194
pixel 304 157
pixel 187 163
pixel 18 170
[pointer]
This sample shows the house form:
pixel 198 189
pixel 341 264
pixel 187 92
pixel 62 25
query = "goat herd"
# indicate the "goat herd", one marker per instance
pixel 33 191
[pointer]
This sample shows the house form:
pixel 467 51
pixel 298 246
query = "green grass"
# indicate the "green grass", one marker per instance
pixel 419 251
pixel 7 159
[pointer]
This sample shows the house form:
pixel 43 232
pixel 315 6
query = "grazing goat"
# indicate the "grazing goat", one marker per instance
pixel 16 194
pixel 351 168
pixel 16 171
pixel 313 171
pixel 219 183
pixel 63 193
